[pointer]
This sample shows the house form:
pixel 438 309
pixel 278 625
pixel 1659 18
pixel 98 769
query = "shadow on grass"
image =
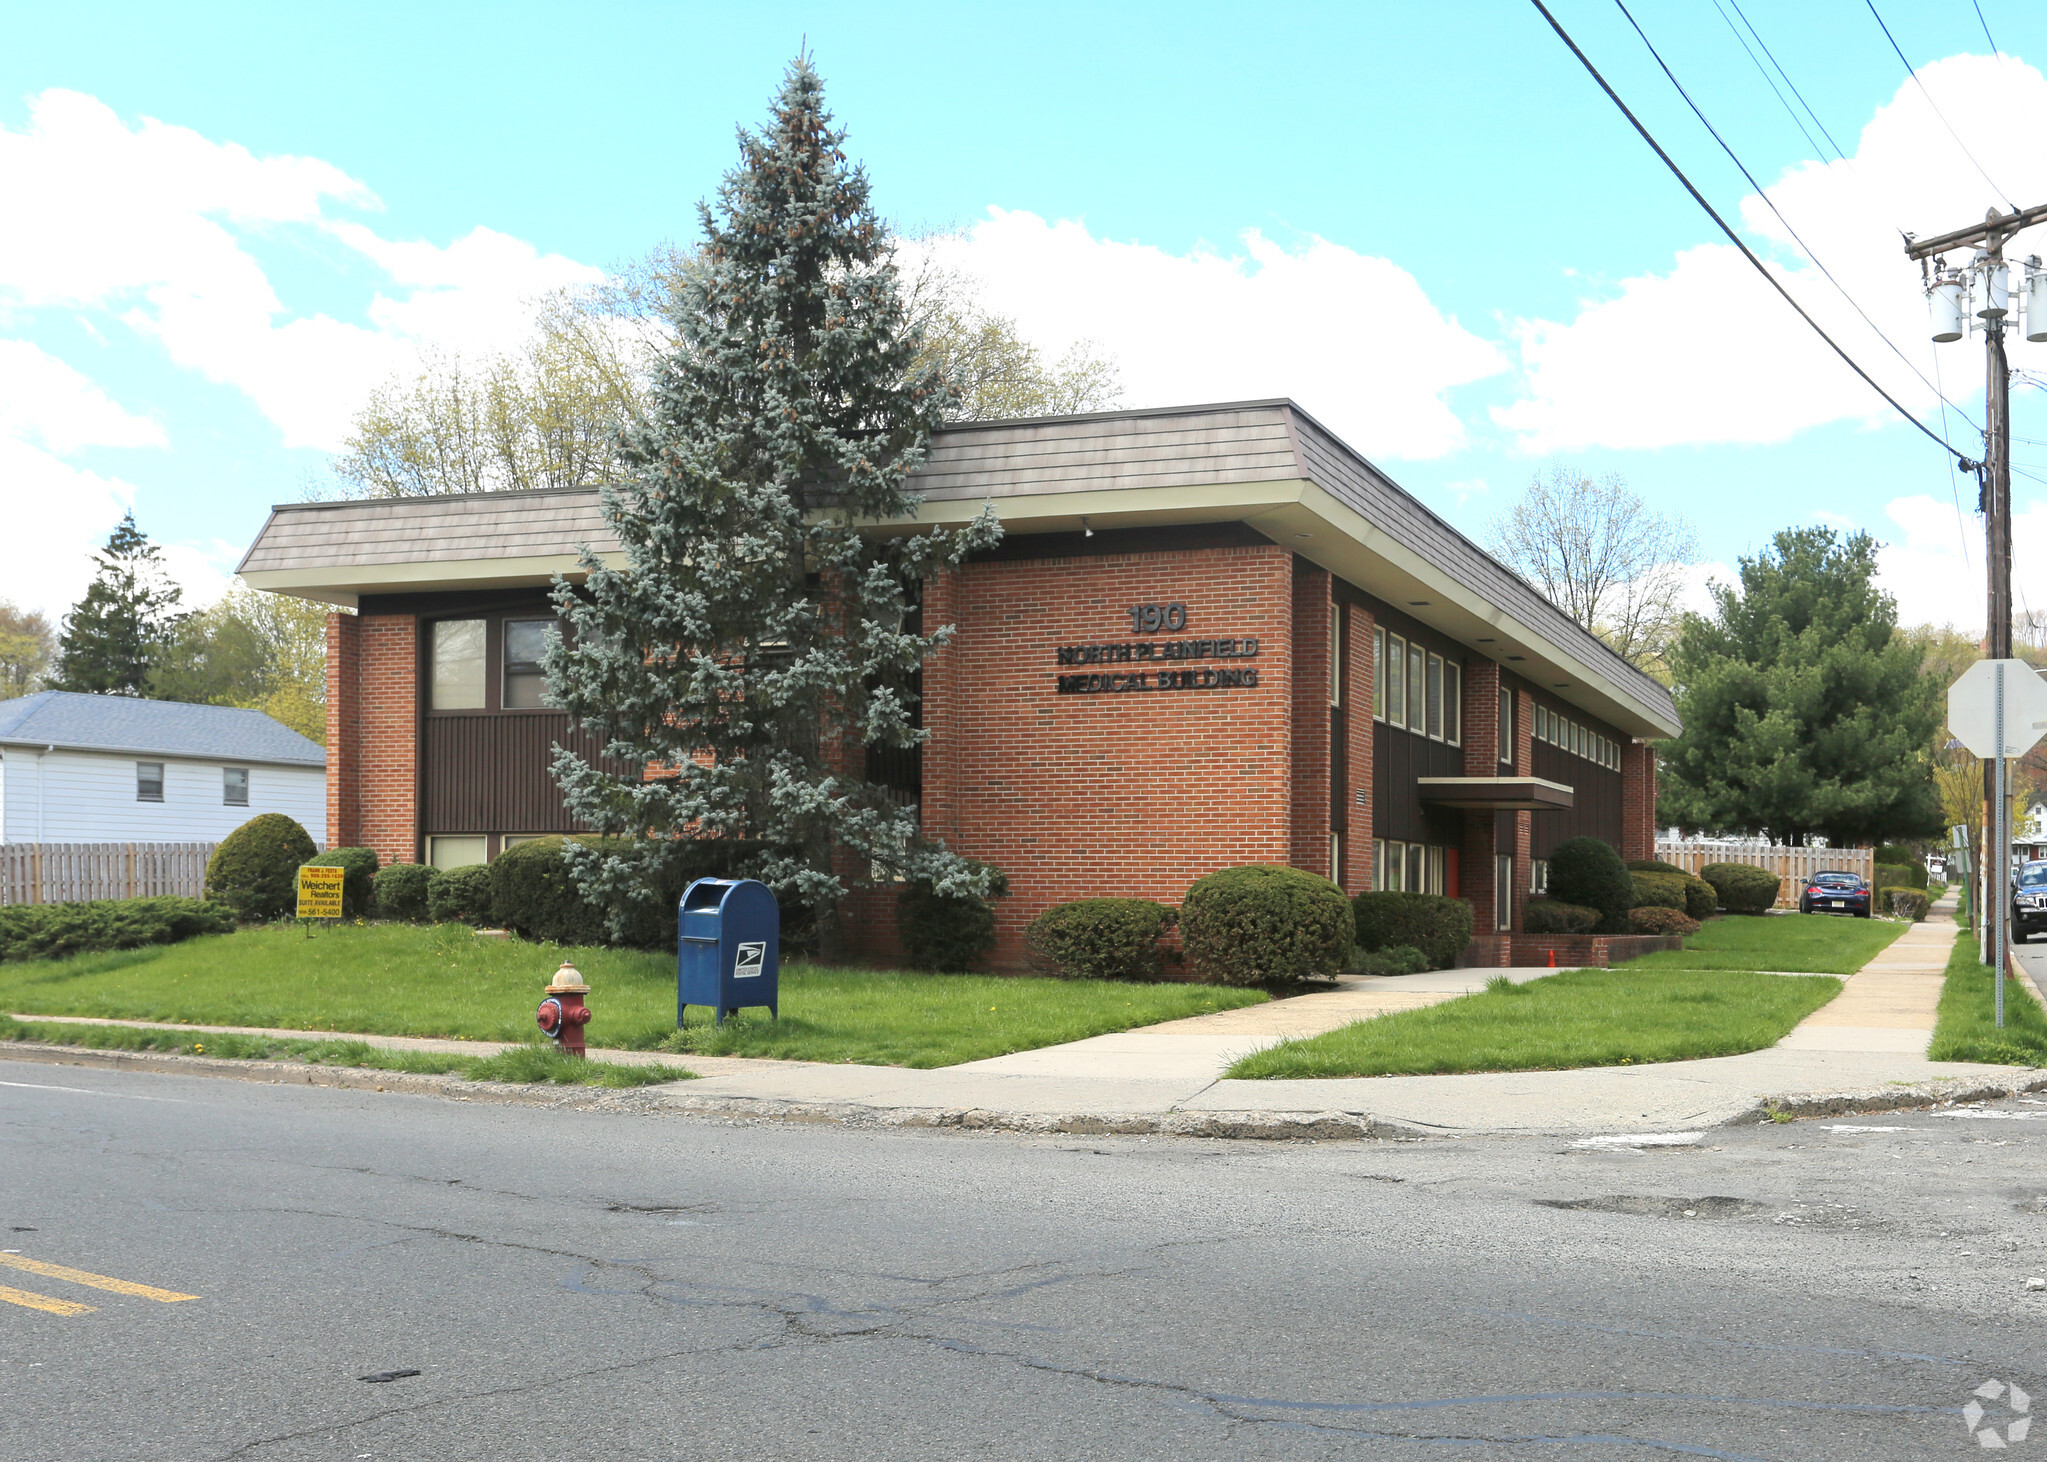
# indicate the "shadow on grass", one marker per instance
pixel 1965 1028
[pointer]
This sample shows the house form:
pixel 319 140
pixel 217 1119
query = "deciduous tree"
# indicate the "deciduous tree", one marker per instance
pixel 264 652
pixel 755 638
pixel 1805 711
pixel 27 646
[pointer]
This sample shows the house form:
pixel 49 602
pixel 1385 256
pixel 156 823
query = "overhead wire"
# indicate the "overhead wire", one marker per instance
pixel 1936 108
pixel 1734 238
pixel 1954 487
pixel 1770 203
pixel 1986 29
pixel 1736 4
pixel 1764 71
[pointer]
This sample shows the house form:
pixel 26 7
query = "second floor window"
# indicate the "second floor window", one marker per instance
pixel 458 677
pixel 526 642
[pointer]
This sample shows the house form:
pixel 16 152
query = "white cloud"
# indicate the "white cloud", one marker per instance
pixel 1707 352
pixel 1933 563
pixel 1353 338
pixel 150 224
pixel 42 397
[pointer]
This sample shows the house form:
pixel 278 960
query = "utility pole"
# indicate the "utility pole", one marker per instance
pixel 1984 283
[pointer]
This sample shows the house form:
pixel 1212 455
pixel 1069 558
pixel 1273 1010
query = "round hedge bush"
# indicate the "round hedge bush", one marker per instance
pixel 1099 939
pixel 1656 919
pixel 1907 903
pixel 1437 926
pixel 400 891
pixel 460 896
pixel 1551 916
pixel 358 883
pixel 1653 865
pixel 946 932
pixel 255 869
pixel 533 894
pixel 1742 888
pixel 1659 890
pixel 1701 902
pixel 1590 874
pixel 1263 923
pixel 1397 959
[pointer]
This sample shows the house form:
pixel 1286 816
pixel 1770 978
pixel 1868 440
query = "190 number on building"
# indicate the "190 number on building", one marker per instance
pixel 1151 618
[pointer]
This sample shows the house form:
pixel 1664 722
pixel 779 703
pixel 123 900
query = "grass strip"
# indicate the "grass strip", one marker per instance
pixel 1814 944
pixel 409 980
pixel 1580 1018
pixel 1965 1024
pixel 523 1064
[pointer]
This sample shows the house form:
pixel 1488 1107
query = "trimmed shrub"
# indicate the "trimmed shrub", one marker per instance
pixel 1656 919
pixel 533 894
pixel 1590 874
pixel 460 896
pixel 1701 902
pixel 1263 923
pixel 1099 939
pixel 255 869
pixel 358 884
pixel 52 931
pixel 1899 875
pixel 1906 903
pixel 1659 890
pixel 1742 888
pixel 1552 916
pixel 401 890
pixel 1902 855
pixel 945 932
pixel 1437 926
pixel 1398 959
pixel 1653 865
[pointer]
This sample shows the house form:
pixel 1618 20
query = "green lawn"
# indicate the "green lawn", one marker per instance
pixel 1966 1026
pixel 535 1063
pixel 1818 944
pixel 1579 1018
pixel 394 979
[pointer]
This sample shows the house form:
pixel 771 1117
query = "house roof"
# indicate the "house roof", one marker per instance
pixel 74 722
pixel 1266 463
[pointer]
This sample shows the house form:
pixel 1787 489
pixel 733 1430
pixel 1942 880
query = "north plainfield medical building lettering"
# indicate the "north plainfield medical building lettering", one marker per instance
pixel 1212 635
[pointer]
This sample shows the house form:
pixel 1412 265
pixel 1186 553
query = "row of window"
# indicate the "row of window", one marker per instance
pixel 460 675
pixel 234 784
pixel 1579 740
pixel 1410 867
pixel 1416 688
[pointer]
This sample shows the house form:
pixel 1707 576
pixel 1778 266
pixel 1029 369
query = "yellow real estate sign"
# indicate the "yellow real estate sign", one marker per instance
pixel 320 892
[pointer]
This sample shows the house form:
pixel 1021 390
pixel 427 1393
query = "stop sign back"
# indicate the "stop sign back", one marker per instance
pixel 1972 707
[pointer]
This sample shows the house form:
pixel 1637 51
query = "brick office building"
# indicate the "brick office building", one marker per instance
pixel 1212 635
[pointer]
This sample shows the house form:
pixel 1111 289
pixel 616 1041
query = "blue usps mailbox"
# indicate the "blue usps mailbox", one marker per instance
pixel 729 948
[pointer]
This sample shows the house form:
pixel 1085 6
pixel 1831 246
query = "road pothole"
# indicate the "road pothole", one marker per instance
pixel 1712 1206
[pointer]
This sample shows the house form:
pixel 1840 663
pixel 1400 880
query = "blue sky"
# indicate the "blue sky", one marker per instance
pixel 1424 223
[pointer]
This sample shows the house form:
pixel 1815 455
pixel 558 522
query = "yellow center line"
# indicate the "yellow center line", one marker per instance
pixel 97 1281
pixel 42 1302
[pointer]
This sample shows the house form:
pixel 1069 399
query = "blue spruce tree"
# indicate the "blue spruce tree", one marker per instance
pixel 756 640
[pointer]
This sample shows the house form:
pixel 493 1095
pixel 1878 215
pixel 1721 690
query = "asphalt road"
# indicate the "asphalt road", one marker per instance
pixel 577 1285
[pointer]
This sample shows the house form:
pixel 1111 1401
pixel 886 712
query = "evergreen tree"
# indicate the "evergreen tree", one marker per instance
pixel 1805 711
pixel 113 635
pixel 755 639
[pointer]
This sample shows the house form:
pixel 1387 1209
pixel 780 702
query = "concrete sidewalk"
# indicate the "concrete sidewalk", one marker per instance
pixel 1865 1051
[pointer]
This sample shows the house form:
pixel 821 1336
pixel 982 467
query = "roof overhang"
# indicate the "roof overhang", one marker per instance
pixel 40 744
pixel 345 586
pixel 1498 794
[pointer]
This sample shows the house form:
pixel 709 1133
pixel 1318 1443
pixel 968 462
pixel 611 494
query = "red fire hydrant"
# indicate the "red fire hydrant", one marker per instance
pixel 562 1015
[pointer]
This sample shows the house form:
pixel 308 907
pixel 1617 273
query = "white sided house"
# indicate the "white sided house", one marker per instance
pixel 116 769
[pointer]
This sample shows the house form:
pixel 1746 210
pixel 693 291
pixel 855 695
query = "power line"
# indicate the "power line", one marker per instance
pixel 1787 81
pixel 1986 30
pixel 1732 237
pixel 1936 108
pixel 1764 71
pixel 1768 202
pixel 1954 489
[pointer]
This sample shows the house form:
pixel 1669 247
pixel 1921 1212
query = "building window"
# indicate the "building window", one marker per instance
pixel 1433 688
pixel 234 786
pixel 1417 866
pixel 149 781
pixel 526 643
pixel 1453 703
pixel 1378 863
pixel 458 680
pixel 1439 871
pixel 1396 681
pixel 1417 695
pixel 1538 876
pixel 1336 859
pixel 1336 654
pixel 1378 672
pixel 1503 891
pixel 457 852
pixel 1507 727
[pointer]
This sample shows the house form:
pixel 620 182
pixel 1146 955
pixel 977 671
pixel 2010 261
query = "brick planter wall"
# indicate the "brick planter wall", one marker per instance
pixel 1499 951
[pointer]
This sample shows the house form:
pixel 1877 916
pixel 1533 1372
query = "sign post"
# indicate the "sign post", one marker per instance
pixel 319 895
pixel 1998 710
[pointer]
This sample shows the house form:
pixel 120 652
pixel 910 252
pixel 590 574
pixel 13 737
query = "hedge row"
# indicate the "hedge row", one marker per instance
pixel 52 931
pixel 1909 903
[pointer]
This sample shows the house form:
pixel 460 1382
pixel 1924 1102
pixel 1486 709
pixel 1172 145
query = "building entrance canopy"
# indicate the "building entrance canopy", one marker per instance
pixel 1498 794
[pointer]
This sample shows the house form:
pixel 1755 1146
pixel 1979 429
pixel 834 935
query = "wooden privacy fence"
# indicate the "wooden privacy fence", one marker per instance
pixel 1792 865
pixel 55 873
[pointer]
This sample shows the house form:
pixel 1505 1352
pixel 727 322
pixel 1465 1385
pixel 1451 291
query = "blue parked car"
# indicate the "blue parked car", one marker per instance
pixel 1835 893
pixel 2028 901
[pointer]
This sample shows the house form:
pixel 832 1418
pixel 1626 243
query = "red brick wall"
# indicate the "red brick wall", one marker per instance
pixel 344 729
pixel 1638 802
pixel 1126 793
pixel 1481 759
pixel 378 771
pixel 1524 766
pixel 1357 694
pixel 1311 655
